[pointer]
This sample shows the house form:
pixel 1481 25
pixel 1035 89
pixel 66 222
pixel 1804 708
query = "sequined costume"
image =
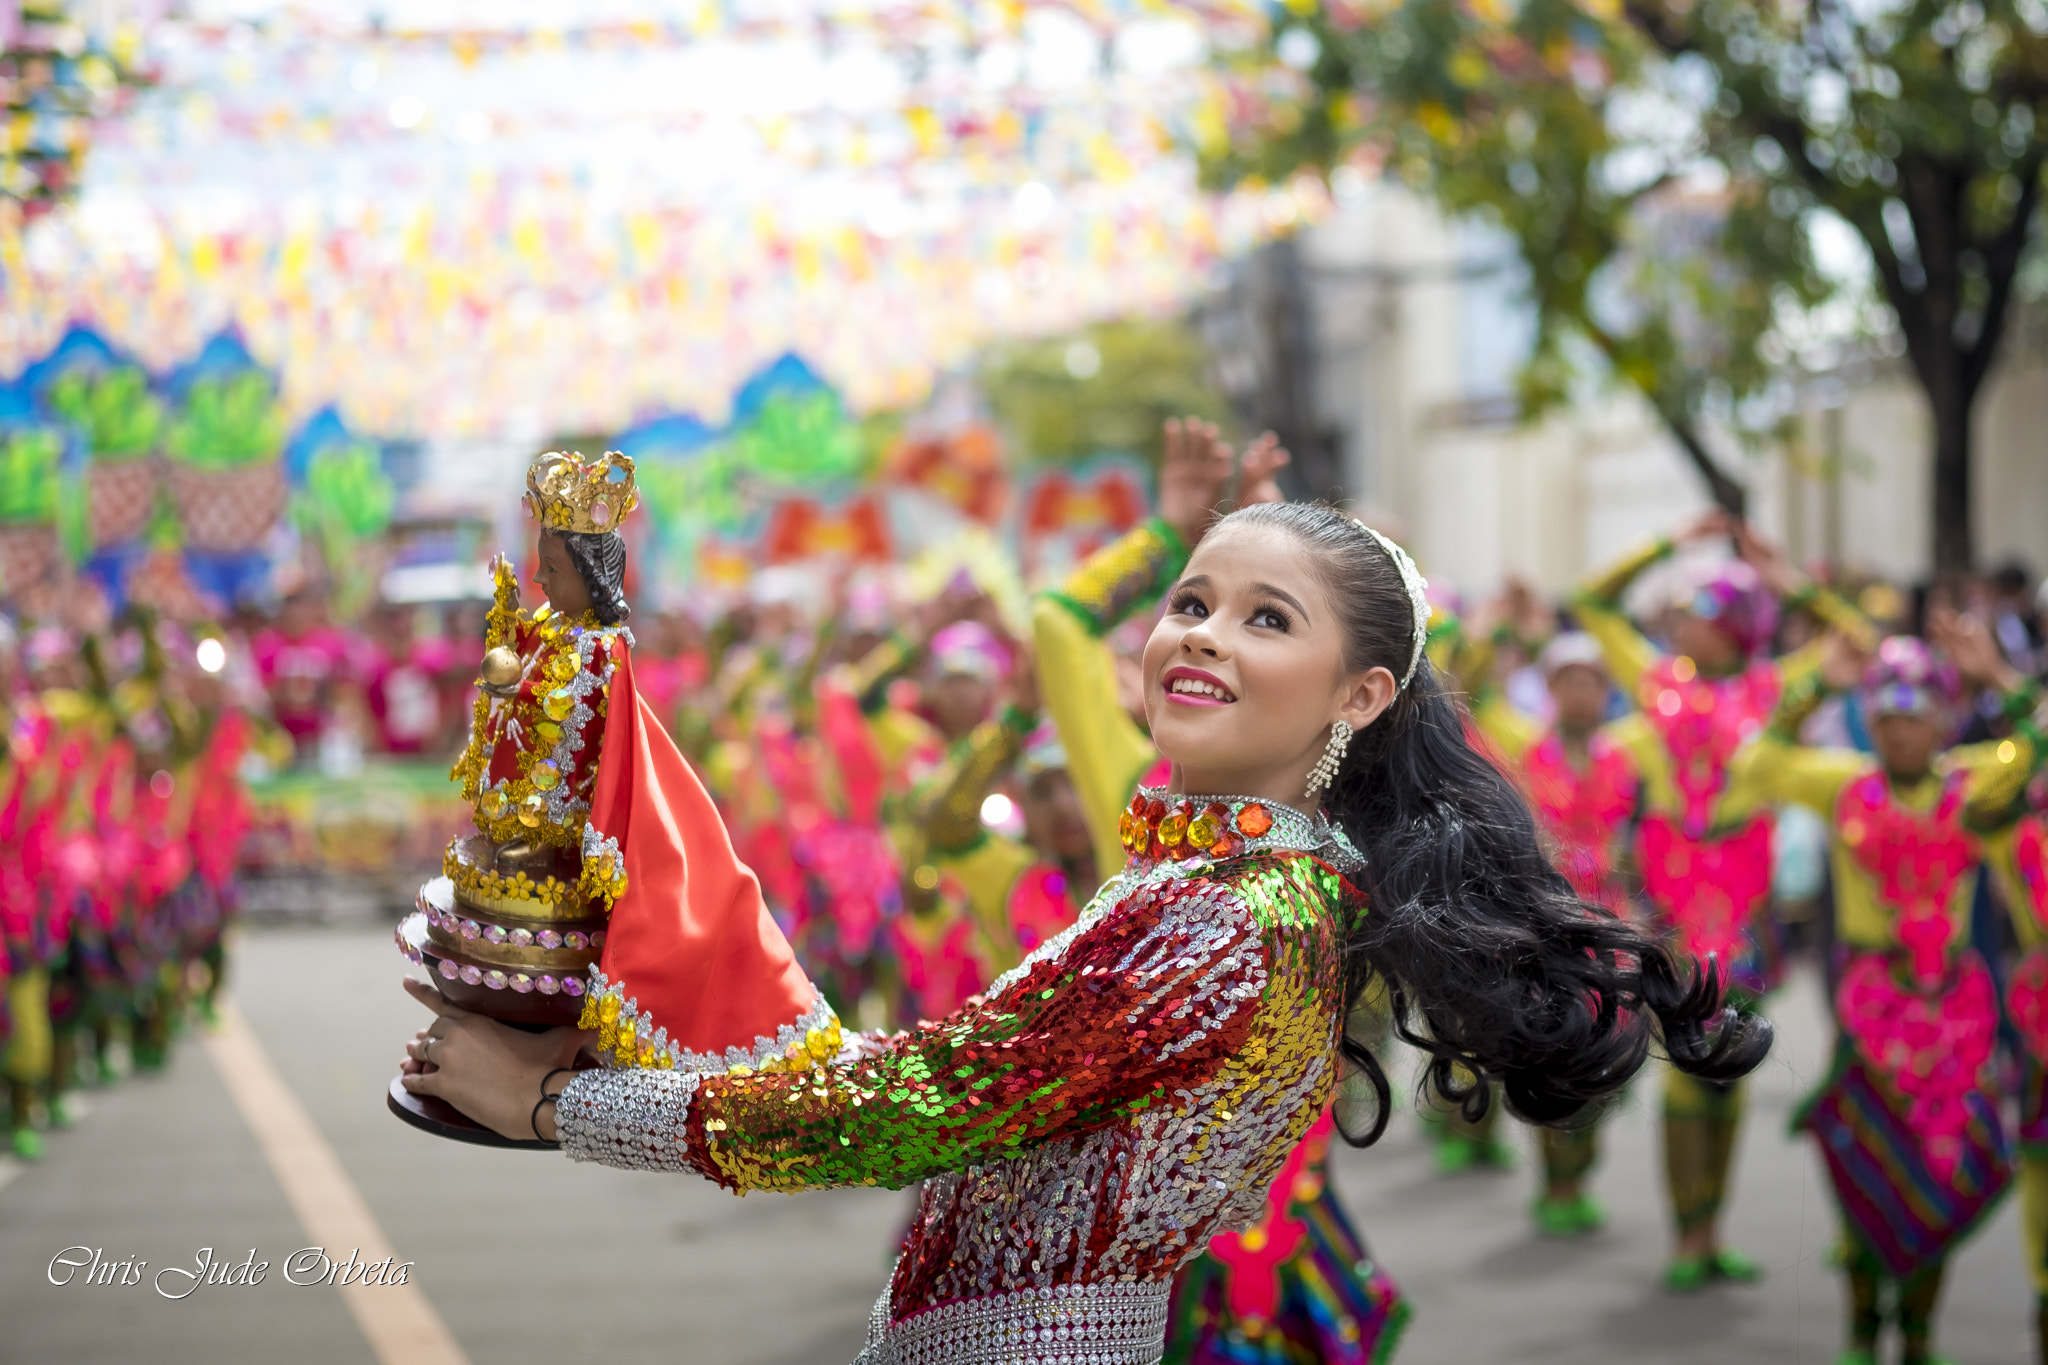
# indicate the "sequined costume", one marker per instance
pixel 1908 1119
pixel 1297 1285
pixel 1106 754
pixel 1128 1091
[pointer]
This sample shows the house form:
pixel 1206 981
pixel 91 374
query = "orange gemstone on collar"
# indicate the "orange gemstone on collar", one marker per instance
pixel 1253 821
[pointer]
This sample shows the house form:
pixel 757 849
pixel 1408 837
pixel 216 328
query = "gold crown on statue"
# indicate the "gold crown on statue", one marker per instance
pixel 565 494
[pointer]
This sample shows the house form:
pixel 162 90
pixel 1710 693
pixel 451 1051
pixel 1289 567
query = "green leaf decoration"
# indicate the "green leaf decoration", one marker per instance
pixel 31 460
pixel 801 439
pixel 114 409
pixel 348 485
pixel 229 422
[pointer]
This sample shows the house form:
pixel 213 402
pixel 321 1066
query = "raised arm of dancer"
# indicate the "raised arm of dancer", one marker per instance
pixel 868 677
pixel 1998 769
pixel 949 811
pixel 1470 657
pixel 1797 592
pixel 1076 1041
pixel 1775 767
pixel 1597 604
pixel 1106 751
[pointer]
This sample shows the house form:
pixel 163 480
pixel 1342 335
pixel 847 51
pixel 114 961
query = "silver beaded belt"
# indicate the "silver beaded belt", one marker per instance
pixel 1067 1324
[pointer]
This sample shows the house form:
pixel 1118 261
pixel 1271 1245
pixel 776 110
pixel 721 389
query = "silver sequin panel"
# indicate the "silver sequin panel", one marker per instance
pixel 1069 1324
pixel 630 1119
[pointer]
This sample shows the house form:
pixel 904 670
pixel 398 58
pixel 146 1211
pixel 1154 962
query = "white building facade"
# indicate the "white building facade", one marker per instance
pixel 1420 329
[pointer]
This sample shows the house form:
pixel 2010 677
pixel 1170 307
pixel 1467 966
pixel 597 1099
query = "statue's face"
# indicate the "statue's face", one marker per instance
pixel 557 577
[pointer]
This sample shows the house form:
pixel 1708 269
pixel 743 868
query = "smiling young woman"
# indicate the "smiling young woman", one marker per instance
pixel 1134 1086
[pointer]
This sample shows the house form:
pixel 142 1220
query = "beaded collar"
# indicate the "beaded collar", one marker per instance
pixel 1162 827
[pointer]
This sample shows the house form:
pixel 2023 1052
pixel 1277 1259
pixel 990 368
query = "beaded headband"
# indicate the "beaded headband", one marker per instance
pixel 1417 586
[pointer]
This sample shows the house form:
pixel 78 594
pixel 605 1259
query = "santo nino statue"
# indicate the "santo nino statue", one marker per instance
pixel 566 907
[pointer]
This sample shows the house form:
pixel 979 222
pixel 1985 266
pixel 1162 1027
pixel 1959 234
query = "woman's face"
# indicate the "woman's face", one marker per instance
pixel 1245 673
pixel 557 577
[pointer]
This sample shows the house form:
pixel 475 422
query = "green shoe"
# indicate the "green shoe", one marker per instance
pixel 1688 1274
pixel 147 1057
pixel 1857 1355
pixel 1456 1153
pixel 1730 1264
pixel 1558 1218
pixel 60 1112
pixel 1587 1214
pixel 109 1074
pixel 1495 1154
pixel 28 1144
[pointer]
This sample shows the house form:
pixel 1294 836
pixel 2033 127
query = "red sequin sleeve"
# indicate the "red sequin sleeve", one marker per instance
pixel 1149 1000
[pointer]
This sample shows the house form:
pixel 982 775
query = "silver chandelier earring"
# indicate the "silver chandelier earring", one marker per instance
pixel 1325 772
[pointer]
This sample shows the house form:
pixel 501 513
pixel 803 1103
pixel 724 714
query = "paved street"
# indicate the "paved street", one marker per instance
pixel 528 1258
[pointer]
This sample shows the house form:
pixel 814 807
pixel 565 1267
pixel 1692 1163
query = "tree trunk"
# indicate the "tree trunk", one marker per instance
pixel 1954 543
pixel 1731 496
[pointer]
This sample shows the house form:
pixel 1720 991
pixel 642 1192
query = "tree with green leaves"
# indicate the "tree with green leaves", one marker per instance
pixel 1106 389
pixel 1585 129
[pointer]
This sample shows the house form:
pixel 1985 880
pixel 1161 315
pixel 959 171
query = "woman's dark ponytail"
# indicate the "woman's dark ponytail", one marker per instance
pixel 1492 966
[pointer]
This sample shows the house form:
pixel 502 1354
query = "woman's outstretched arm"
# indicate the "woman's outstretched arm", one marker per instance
pixel 1151 998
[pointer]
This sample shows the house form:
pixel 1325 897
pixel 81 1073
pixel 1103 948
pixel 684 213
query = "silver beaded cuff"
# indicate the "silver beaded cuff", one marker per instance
pixel 632 1119
pixel 1065 1324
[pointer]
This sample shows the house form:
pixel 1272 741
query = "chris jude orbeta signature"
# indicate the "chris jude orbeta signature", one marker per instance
pixel 308 1265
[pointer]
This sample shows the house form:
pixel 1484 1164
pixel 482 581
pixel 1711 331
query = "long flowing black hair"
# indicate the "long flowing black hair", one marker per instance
pixel 600 562
pixel 1491 965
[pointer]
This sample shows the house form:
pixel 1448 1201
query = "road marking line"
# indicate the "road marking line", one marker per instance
pixel 9 1168
pixel 398 1321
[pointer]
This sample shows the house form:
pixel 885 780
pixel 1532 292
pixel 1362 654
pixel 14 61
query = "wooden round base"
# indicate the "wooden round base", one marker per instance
pixel 443 1119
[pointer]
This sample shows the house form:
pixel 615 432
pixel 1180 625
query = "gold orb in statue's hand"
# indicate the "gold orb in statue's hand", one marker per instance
pixel 500 668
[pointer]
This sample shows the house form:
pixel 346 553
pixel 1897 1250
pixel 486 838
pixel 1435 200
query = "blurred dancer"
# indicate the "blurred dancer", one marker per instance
pixel 1464 1126
pixel 1583 788
pixel 1908 1119
pixel 2023 874
pixel 1706 876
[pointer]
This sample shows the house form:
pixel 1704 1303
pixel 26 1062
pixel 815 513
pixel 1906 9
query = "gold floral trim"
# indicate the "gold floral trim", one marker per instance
pixel 626 1037
pixel 479 884
pixel 604 868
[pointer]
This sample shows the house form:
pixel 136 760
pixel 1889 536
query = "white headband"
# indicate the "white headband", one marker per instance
pixel 1417 586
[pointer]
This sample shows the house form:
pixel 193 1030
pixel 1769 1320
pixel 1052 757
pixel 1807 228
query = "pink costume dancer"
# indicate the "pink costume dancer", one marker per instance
pixel 1908 1120
pixel 219 822
pixel 1706 874
pixel 1585 791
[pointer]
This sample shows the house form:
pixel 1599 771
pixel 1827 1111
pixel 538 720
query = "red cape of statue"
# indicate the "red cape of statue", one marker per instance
pixel 691 949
